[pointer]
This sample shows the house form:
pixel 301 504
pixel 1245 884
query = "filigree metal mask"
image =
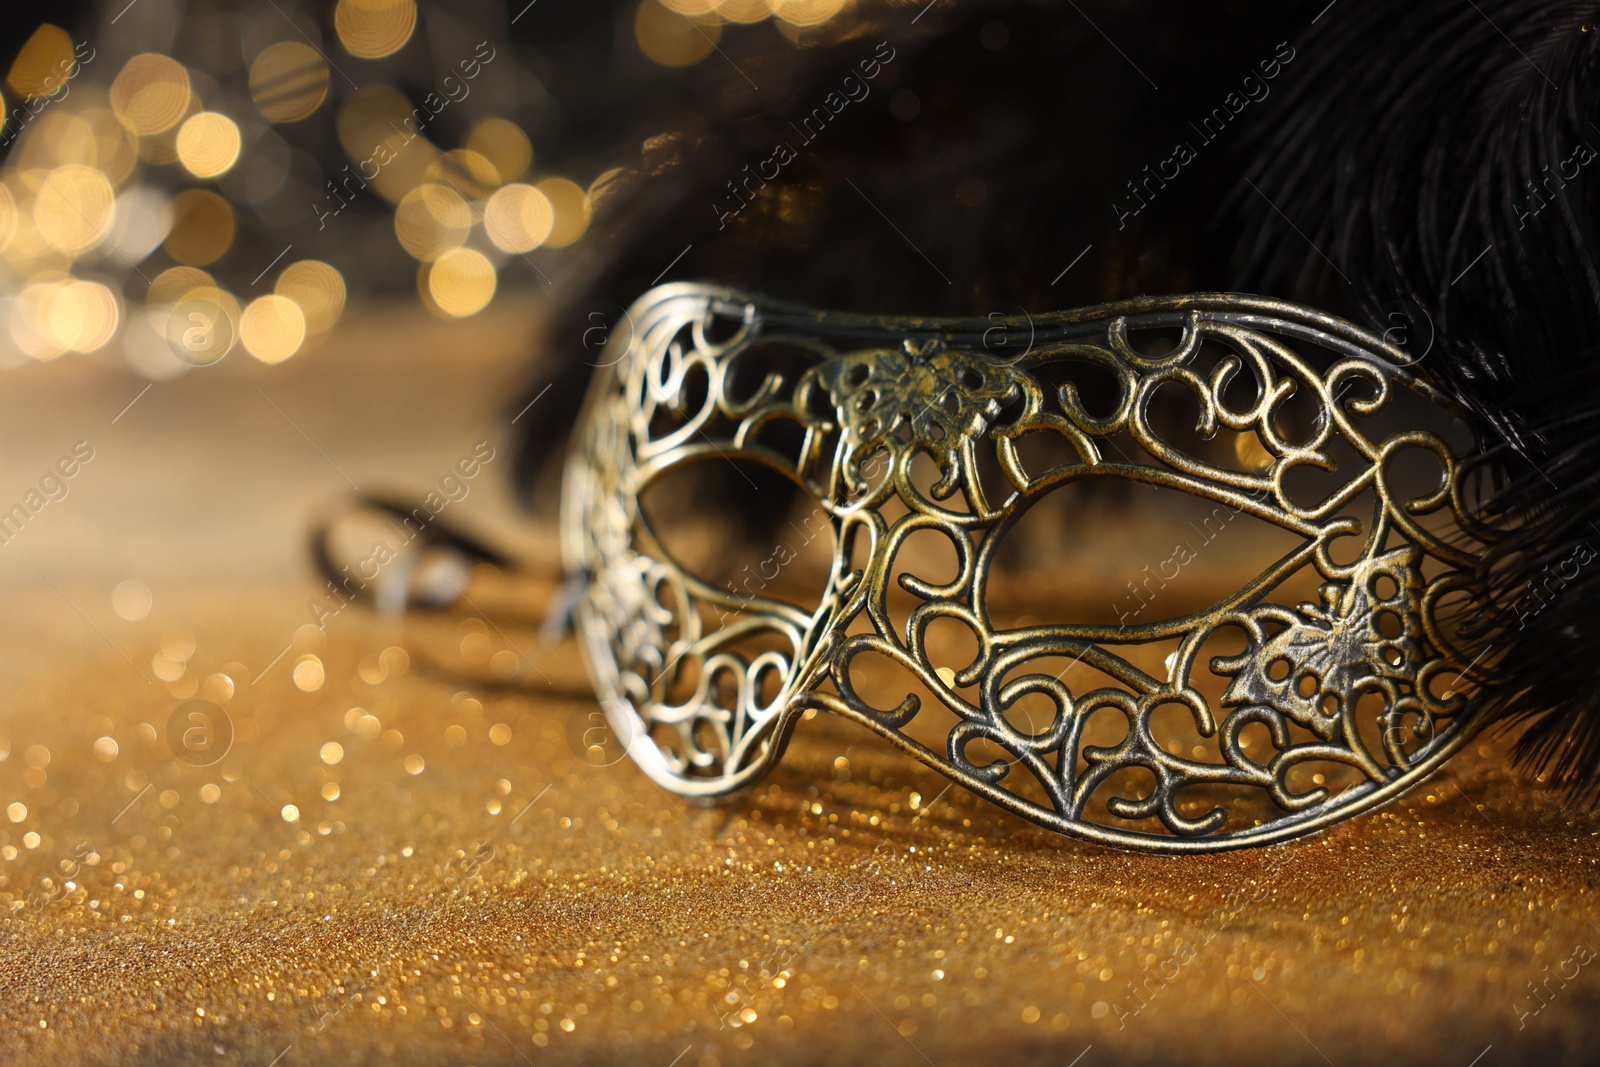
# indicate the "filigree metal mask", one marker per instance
pixel 1246 722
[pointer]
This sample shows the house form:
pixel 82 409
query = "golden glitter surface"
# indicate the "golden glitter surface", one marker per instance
pixel 464 880
pixel 229 837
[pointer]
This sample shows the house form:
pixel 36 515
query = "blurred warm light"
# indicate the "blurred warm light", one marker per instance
pixel 203 325
pixel 208 144
pixel 74 208
pixel 690 7
pixel 44 64
pixel 83 315
pixel 57 136
pixel 460 282
pixel 671 39
pixel 504 145
pixel 431 220
pixel 571 206
pixel 317 288
pixel 288 81
pixel 175 283
pixel 143 218
pixel 518 218
pixel 369 115
pixel 605 184
pixel 8 217
pixel 116 150
pixel 408 162
pixel 744 10
pixel 378 131
pixel 372 29
pixel 806 12
pixel 202 227
pixel 30 318
pixel 272 328
pixel 467 172
pixel 151 94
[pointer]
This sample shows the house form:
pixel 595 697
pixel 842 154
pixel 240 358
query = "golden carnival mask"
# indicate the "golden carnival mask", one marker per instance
pixel 1251 720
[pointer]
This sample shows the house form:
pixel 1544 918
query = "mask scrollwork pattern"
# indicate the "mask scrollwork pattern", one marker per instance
pixel 704 684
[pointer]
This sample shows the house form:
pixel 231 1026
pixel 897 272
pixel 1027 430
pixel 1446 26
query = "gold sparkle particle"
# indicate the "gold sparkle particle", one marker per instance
pixel 500 733
pixel 288 81
pixel 208 144
pixel 672 39
pixel 31 839
pixel 518 218
pixel 571 206
pixel 202 227
pixel 290 813
pixel 431 220
pixel 308 673
pixel 44 64
pixel 372 29
pixel 318 289
pixel 330 791
pixel 210 793
pixel 415 764
pixel 332 753
pixel 151 94
pixel 131 600
pixel 106 749
pixel 460 282
pixel 16 811
pixel 272 328
pixel 504 145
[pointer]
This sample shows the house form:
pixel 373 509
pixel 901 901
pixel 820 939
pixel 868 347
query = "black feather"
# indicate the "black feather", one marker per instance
pixel 1443 156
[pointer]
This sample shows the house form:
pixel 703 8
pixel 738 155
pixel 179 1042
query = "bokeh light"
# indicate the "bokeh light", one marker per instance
pixel 74 208
pixel 44 64
pixel 84 315
pixel 746 11
pixel 504 145
pixel 673 39
pixel 571 206
pixel 272 328
pixel 208 144
pixel 431 220
pixel 288 81
pixel 317 289
pixel 131 600
pixel 806 12
pixel 518 218
pixel 151 94
pixel 202 227
pixel 372 29
pixel 460 283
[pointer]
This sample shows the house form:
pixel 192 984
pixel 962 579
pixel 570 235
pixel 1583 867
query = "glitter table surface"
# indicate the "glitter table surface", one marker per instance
pixel 400 858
